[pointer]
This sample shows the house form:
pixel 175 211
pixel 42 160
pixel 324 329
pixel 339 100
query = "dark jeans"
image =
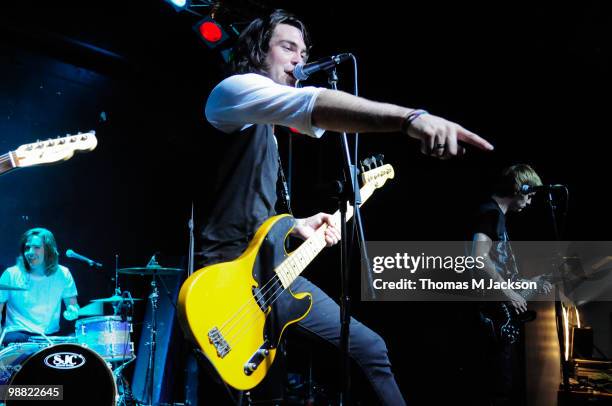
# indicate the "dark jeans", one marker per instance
pixel 17 337
pixel 366 347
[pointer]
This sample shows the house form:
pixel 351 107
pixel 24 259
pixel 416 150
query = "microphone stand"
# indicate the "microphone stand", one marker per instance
pixel 565 364
pixel 553 214
pixel 349 193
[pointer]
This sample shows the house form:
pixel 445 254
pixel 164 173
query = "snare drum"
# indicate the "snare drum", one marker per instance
pixel 86 378
pixel 106 335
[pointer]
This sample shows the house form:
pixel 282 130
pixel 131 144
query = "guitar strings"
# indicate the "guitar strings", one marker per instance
pixel 256 313
pixel 265 290
pixel 254 310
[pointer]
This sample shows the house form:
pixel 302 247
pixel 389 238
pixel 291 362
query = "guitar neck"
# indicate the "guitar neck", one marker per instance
pixel 6 163
pixel 299 259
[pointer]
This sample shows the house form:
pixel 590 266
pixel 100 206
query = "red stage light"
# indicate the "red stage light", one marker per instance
pixel 211 32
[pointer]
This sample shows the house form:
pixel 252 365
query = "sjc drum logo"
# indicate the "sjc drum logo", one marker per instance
pixel 65 360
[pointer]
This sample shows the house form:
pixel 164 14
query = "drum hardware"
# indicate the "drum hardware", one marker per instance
pixel 84 375
pixel 122 303
pixel 115 299
pixel 153 296
pixel 124 390
pixel 153 269
pixel 109 336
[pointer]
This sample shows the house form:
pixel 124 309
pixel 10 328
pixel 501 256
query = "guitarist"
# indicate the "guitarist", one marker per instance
pixel 245 107
pixel 491 242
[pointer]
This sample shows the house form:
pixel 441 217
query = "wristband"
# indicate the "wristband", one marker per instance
pixel 410 118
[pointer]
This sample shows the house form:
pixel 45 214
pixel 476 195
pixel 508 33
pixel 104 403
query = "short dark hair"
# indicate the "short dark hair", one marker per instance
pixel 51 252
pixel 511 179
pixel 249 54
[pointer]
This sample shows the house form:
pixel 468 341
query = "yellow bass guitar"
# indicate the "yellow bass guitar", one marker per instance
pixel 229 309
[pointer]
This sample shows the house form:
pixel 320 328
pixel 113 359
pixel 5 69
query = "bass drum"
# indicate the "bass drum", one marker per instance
pixel 86 378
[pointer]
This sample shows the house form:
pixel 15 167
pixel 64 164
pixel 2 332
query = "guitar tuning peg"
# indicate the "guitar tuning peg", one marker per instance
pixel 367 163
pixel 379 158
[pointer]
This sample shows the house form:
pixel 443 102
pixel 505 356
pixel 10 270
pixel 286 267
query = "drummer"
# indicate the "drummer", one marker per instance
pixel 36 308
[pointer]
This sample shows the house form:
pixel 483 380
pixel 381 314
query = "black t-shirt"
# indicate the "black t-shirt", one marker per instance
pixel 491 221
pixel 245 194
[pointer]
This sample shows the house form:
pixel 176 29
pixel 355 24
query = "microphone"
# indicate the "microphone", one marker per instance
pixel 303 71
pixel 90 262
pixel 526 189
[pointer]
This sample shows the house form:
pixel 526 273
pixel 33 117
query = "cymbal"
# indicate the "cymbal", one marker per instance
pixel 7 287
pixel 113 299
pixel 150 270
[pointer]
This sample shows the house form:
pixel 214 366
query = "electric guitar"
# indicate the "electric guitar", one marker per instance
pixel 506 323
pixel 229 309
pixel 46 152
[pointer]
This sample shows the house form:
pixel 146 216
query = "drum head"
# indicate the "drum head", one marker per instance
pixel 86 378
pixel 13 356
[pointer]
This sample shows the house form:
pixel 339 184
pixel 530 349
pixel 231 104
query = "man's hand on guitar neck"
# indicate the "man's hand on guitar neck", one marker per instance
pixel 518 302
pixel 306 227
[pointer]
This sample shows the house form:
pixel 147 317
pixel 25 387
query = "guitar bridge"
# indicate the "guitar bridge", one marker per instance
pixel 216 339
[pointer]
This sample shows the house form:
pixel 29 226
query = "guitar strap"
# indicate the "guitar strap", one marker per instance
pixel 513 272
pixel 283 188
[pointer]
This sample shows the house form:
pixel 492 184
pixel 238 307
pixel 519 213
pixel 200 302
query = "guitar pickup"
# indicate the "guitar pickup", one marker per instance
pixel 257 358
pixel 216 339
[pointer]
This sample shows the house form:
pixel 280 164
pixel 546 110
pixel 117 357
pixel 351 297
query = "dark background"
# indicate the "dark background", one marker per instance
pixel 531 77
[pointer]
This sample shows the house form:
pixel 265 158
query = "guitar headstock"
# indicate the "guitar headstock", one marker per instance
pixel 54 150
pixel 374 171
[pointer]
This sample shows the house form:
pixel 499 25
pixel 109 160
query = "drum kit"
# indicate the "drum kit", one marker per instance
pixel 99 350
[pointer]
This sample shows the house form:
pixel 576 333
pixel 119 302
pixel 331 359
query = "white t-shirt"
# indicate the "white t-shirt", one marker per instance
pixel 37 308
pixel 243 100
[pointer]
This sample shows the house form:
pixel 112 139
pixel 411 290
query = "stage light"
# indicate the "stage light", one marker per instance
pixel 210 32
pixel 178 4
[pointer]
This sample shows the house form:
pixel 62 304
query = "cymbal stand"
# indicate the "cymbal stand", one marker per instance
pixel 153 334
pixel 126 398
pixel 116 306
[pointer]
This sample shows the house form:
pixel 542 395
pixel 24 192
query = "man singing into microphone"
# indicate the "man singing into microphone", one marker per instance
pixel 45 283
pixel 246 107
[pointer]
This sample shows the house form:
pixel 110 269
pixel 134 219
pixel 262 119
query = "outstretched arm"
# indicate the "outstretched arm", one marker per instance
pixel 340 111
